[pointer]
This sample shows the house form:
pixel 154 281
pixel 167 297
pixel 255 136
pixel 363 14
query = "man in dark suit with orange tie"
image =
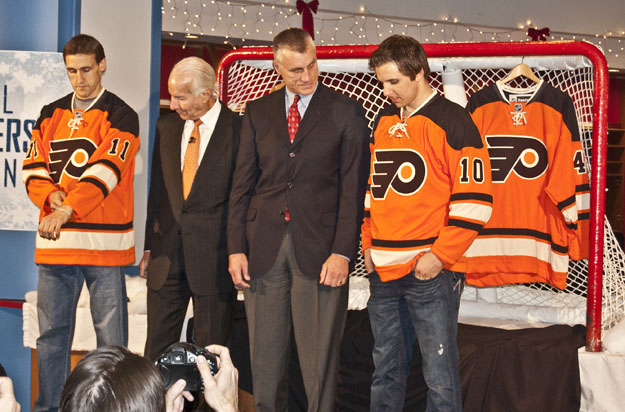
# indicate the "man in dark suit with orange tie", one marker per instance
pixel 295 207
pixel 185 243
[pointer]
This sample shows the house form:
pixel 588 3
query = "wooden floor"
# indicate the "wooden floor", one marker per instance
pixel 246 401
pixel 76 356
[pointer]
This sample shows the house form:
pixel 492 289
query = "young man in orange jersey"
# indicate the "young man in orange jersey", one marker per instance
pixel 429 194
pixel 79 171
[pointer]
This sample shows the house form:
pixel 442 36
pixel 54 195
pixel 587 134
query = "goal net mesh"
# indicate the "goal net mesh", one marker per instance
pixel 457 78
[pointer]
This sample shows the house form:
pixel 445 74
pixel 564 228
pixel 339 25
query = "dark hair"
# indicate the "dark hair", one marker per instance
pixel 84 44
pixel 406 52
pixel 111 378
pixel 294 38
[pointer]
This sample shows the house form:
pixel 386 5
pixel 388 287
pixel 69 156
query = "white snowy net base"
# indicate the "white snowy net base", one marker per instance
pixel 457 78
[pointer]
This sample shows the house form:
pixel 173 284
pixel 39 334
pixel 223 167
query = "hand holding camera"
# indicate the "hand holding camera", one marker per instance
pixel 212 370
pixel 180 362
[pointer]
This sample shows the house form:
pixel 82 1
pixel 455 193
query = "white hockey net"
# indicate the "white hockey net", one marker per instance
pixel 457 78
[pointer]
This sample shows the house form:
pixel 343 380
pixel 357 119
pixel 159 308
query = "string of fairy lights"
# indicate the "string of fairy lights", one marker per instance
pixel 253 20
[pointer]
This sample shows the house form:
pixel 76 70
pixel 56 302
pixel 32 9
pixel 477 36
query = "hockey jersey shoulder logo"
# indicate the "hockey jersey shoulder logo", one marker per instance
pixel 525 155
pixel 70 156
pixel 402 170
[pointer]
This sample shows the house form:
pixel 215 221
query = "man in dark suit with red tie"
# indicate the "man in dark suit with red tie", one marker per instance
pixel 185 242
pixel 295 207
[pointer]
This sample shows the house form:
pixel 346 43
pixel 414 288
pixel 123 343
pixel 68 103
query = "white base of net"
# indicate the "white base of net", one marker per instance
pixel 516 303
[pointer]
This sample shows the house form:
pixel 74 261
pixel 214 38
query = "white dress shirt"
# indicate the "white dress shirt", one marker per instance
pixel 209 120
pixel 302 105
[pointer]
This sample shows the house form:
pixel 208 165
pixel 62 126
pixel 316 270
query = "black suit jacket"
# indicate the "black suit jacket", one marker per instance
pixel 199 223
pixel 320 179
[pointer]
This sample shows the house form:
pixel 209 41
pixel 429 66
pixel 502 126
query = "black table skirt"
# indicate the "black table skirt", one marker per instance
pixel 522 370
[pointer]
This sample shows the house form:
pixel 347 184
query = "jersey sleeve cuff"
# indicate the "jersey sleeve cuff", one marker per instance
pixel 447 261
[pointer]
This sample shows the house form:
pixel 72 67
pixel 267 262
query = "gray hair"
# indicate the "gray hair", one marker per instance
pixel 201 75
pixel 295 39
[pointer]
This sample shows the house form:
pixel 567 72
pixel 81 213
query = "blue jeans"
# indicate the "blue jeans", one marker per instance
pixel 57 297
pixel 402 310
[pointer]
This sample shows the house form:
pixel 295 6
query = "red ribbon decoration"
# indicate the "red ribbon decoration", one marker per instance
pixel 538 34
pixel 306 10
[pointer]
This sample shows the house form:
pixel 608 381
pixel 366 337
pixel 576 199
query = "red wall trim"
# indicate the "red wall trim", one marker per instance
pixel 11 303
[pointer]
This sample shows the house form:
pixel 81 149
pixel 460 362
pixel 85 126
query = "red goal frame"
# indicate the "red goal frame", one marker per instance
pixel 599 130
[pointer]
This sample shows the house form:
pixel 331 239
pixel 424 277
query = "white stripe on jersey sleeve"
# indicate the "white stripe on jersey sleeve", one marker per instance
pixel 583 201
pixel 570 214
pixel 27 174
pixel 103 174
pixel 473 211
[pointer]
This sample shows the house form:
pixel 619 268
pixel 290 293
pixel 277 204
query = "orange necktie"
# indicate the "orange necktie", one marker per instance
pixel 191 159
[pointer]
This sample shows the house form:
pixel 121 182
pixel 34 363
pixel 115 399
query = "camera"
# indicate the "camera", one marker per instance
pixel 179 362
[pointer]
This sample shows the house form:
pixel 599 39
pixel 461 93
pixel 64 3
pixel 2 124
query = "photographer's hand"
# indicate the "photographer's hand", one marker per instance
pixel 7 398
pixel 220 391
pixel 174 398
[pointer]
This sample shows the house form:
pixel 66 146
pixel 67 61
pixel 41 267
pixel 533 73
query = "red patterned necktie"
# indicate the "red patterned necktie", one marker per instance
pixel 293 121
pixel 294 118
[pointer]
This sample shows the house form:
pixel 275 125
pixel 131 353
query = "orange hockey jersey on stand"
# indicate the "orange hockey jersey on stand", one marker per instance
pixel 90 156
pixel 540 187
pixel 429 187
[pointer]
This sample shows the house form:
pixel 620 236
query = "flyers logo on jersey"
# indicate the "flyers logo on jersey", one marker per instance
pixel 402 170
pixel 69 156
pixel 525 155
